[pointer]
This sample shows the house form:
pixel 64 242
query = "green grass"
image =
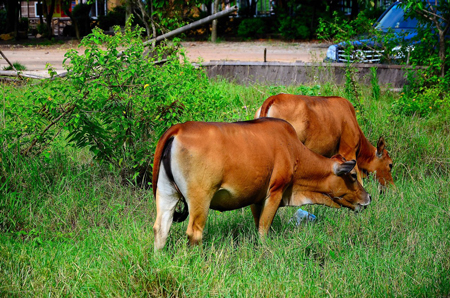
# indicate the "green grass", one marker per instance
pixel 69 227
pixel 16 65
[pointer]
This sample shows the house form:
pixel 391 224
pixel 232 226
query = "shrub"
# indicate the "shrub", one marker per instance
pixel 423 102
pixel 293 28
pixel 16 65
pixel 117 106
pixel 251 27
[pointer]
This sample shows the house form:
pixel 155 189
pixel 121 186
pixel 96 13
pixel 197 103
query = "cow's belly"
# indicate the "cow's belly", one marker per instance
pixel 229 199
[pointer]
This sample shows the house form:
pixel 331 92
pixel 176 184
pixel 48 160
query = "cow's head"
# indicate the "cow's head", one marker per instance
pixel 381 164
pixel 345 188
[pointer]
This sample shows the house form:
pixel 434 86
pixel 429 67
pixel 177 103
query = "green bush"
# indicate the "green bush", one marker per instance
pixel 42 29
pixel 423 102
pixel 115 17
pixel 17 66
pixel 117 106
pixel 293 28
pixel 251 27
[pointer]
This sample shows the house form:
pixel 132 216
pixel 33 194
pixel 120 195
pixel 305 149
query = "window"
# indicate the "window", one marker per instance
pixel 38 9
pixel 98 9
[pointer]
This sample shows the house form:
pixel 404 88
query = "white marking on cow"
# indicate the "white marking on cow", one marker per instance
pixel 177 173
pixel 268 111
pixel 258 113
pixel 167 199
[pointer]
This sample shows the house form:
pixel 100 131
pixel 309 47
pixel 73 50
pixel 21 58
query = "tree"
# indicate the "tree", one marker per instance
pixel 434 16
pixel 158 16
pixel 79 16
pixel 214 23
pixel 48 13
pixel 12 16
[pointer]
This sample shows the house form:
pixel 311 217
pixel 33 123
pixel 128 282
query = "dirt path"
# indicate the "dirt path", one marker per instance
pixel 35 58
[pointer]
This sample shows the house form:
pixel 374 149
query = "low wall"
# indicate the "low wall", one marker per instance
pixel 283 73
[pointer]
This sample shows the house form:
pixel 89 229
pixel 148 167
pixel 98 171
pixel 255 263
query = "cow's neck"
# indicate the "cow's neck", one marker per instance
pixel 311 183
pixel 365 153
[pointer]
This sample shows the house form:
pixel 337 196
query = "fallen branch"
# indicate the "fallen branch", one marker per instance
pixel 11 73
pixel 12 65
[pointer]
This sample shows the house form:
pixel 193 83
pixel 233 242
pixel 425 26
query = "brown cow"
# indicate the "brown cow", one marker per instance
pixel 225 166
pixel 328 126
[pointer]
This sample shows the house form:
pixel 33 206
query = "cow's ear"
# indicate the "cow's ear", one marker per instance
pixel 380 146
pixel 344 168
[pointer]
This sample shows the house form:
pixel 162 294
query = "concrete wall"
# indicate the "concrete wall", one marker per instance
pixel 282 73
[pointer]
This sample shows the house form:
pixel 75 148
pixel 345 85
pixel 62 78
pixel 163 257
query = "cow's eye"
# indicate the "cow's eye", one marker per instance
pixel 354 176
pixel 390 166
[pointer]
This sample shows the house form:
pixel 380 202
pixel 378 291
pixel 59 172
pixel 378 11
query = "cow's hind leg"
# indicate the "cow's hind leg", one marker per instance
pixel 198 213
pixel 166 200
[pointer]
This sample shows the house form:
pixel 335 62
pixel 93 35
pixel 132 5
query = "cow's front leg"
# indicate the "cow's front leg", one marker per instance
pixel 269 209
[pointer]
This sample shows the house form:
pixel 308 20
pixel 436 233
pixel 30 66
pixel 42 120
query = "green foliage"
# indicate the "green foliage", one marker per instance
pixel 114 17
pixel 425 90
pixel 376 90
pixel 117 106
pixel 340 29
pixel 293 28
pixel 129 101
pixel 16 65
pixel 428 86
pixel 423 102
pixel 42 29
pixel 251 27
pixel 69 227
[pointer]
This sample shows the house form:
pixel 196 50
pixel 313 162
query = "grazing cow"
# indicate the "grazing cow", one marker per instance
pixel 226 166
pixel 328 126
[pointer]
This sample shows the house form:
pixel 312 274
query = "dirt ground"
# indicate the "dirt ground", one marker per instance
pixel 36 57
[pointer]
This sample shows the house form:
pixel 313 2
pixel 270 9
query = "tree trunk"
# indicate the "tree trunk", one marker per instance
pixel 66 8
pixel 214 22
pixel 11 16
pixel 48 12
pixel 17 18
pixel 442 51
pixel 129 10
pixel 355 9
pixel 41 18
pixel 253 7
pixel 152 21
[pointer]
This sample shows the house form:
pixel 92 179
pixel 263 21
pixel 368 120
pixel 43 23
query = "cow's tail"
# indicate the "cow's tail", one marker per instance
pixel 267 104
pixel 162 155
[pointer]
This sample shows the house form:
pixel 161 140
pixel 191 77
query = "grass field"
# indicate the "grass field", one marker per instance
pixel 69 227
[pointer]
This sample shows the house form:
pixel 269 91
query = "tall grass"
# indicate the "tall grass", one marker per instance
pixel 69 227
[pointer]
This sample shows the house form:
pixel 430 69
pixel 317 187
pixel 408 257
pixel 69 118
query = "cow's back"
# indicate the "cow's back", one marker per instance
pixel 324 124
